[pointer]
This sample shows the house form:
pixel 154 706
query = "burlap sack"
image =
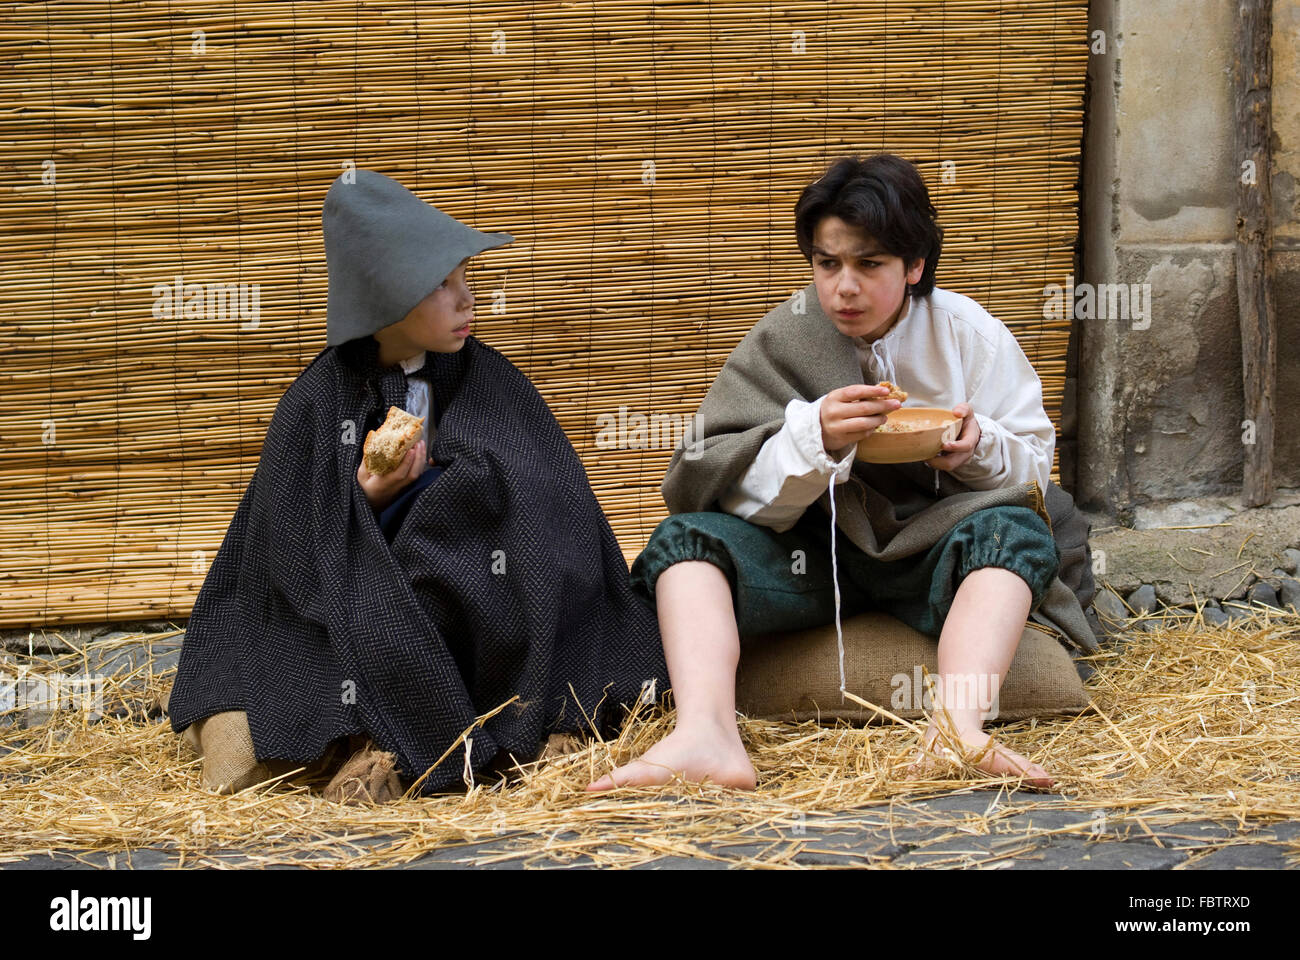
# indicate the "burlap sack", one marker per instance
pixel 796 675
pixel 230 764
pixel 224 742
pixel 368 776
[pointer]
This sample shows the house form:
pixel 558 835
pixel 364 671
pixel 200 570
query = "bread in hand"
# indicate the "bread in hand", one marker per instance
pixel 894 392
pixel 386 448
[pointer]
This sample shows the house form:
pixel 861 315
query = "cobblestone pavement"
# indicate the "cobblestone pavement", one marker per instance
pixel 861 840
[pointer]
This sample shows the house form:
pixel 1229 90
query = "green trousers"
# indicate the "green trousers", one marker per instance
pixel 782 581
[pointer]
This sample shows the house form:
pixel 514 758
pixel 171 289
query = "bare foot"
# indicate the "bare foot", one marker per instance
pixel 714 754
pixel 985 753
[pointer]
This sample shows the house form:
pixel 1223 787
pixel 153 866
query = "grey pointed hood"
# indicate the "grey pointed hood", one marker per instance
pixel 386 250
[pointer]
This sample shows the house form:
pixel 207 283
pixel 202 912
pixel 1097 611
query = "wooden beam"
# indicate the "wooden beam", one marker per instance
pixel 1253 100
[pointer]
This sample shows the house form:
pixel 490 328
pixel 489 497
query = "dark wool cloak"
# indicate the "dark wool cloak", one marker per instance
pixel 505 578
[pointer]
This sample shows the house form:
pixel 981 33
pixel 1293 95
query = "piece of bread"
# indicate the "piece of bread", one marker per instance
pixel 386 448
pixel 894 392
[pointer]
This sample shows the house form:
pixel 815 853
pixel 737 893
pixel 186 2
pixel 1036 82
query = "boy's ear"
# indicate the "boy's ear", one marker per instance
pixel 914 271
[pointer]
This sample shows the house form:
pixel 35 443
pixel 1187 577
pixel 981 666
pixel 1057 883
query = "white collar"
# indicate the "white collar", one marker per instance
pixel 908 305
pixel 411 364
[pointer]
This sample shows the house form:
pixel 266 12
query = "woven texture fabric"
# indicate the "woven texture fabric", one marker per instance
pixel 795 676
pixel 504 579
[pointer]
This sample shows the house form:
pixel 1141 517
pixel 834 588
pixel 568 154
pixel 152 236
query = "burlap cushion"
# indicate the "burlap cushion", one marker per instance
pixel 796 675
pixel 226 746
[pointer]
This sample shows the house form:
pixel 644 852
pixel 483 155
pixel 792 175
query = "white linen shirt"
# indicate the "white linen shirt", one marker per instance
pixel 417 397
pixel 945 349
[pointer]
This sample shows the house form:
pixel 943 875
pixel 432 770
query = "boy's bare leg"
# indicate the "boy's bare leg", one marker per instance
pixel 702 648
pixel 978 641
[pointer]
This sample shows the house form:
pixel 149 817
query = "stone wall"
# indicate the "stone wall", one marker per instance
pixel 1160 398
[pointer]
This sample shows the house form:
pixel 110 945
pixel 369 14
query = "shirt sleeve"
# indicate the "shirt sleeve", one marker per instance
pixel 791 471
pixel 1016 437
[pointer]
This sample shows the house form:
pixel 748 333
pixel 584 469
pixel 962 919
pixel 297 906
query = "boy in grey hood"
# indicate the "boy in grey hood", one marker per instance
pixel 400 611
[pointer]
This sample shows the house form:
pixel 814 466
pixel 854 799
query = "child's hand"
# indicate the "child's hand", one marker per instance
pixel 383 489
pixel 851 413
pixel 956 452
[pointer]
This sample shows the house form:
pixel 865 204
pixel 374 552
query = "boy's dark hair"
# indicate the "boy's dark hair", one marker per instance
pixel 883 195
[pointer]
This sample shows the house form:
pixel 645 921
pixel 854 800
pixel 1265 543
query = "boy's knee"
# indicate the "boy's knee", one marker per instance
pixel 1013 538
pixel 683 537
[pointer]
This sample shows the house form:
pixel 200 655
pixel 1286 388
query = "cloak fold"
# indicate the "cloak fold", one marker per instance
pixel 505 578
pixel 888 510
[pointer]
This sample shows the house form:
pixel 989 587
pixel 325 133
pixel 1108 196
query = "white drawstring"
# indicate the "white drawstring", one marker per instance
pixel 835 578
pixel 884 363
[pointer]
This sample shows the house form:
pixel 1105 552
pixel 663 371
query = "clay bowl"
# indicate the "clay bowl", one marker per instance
pixel 921 432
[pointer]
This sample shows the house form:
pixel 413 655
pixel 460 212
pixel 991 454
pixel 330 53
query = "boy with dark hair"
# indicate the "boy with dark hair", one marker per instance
pixel 960 547
pixel 390 612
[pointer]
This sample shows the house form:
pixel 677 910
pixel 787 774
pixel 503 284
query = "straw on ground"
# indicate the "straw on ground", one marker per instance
pixel 1186 723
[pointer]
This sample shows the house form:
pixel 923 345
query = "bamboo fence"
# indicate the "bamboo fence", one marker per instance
pixel 198 140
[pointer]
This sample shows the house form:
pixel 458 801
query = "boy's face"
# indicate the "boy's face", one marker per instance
pixel 861 287
pixel 440 322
